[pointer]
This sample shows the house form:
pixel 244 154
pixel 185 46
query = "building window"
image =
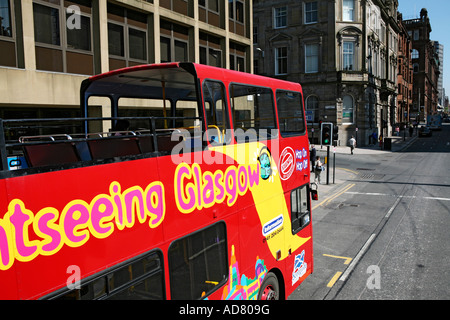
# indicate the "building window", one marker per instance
pixel 312 109
pixel 281 61
pixel 311 58
pixel 210 50
pixel 63 39
pixel 415 54
pixel 127 37
pixel 237 17
pixel 212 5
pixel 349 56
pixel 80 38
pixel 311 14
pixel 237 57
pixel 348 10
pixel 416 67
pixel 46 25
pixel 416 35
pixel 237 10
pixel 174 42
pixel 7 37
pixel 208 11
pixel 116 44
pixel 5 19
pixel 347 110
pixel 280 17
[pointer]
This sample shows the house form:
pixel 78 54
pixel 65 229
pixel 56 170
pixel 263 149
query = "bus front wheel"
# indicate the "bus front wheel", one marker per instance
pixel 270 289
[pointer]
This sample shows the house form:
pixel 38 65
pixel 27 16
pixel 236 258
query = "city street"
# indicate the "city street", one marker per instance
pixel 382 231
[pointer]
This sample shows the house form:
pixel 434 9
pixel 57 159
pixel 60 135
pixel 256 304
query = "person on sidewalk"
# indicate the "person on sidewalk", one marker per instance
pixel 352 144
pixel 318 168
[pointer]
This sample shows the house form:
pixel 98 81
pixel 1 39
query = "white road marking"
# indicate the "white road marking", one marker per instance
pixel 400 197
pixel 357 258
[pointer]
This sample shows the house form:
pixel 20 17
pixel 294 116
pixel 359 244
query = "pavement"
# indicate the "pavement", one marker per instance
pixel 327 192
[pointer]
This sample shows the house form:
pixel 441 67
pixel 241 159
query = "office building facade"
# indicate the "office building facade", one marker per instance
pixel 48 47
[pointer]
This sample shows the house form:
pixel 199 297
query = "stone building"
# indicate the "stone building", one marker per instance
pixel 405 74
pixel 343 52
pixel 425 65
pixel 47 47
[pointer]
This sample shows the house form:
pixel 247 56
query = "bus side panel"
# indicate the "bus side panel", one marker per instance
pixel 258 260
pixel 8 277
pixel 300 264
pixel 89 239
pixel 295 174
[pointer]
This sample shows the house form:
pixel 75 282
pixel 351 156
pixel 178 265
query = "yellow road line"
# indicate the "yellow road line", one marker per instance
pixel 334 279
pixel 347 260
pixel 329 199
pixel 351 171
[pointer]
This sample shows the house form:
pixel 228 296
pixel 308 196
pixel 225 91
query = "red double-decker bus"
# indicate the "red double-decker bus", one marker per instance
pixel 194 186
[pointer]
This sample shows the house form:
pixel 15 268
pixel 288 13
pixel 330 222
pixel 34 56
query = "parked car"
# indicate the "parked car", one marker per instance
pixel 424 132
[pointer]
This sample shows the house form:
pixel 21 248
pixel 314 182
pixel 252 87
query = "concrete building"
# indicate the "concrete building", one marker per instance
pixel 426 67
pixel 343 52
pixel 440 53
pixel 47 47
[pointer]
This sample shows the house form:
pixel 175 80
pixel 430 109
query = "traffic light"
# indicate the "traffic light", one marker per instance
pixel 335 133
pixel 326 132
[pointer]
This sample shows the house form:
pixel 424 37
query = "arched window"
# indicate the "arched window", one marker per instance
pixel 348 109
pixel 416 67
pixel 414 54
pixel 312 109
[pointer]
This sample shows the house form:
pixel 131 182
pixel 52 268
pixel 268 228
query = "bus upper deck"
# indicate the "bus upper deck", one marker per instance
pixel 162 106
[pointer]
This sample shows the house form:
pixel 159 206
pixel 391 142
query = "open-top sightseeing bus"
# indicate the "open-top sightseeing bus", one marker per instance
pixel 201 192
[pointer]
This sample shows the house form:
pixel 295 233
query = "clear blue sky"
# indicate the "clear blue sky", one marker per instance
pixel 438 12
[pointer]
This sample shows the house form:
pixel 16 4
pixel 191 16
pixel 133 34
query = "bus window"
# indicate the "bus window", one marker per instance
pixel 216 112
pixel 290 113
pixel 141 279
pixel 198 263
pixel 300 213
pixel 253 113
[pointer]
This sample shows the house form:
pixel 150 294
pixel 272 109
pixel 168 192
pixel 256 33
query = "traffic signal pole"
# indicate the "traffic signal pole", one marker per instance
pixel 326 135
pixel 328 165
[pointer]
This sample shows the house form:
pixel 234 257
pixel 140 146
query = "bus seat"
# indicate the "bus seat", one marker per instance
pixel 146 144
pixel 50 154
pixel 165 143
pixel 83 151
pixel 105 148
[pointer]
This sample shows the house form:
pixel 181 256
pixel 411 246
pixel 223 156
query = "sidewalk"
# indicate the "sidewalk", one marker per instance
pixel 327 192
pixel 397 144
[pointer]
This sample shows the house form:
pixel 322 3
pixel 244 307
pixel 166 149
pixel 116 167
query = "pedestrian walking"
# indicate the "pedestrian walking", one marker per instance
pixel 352 144
pixel 374 138
pixel 318 168
pixel 312 156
